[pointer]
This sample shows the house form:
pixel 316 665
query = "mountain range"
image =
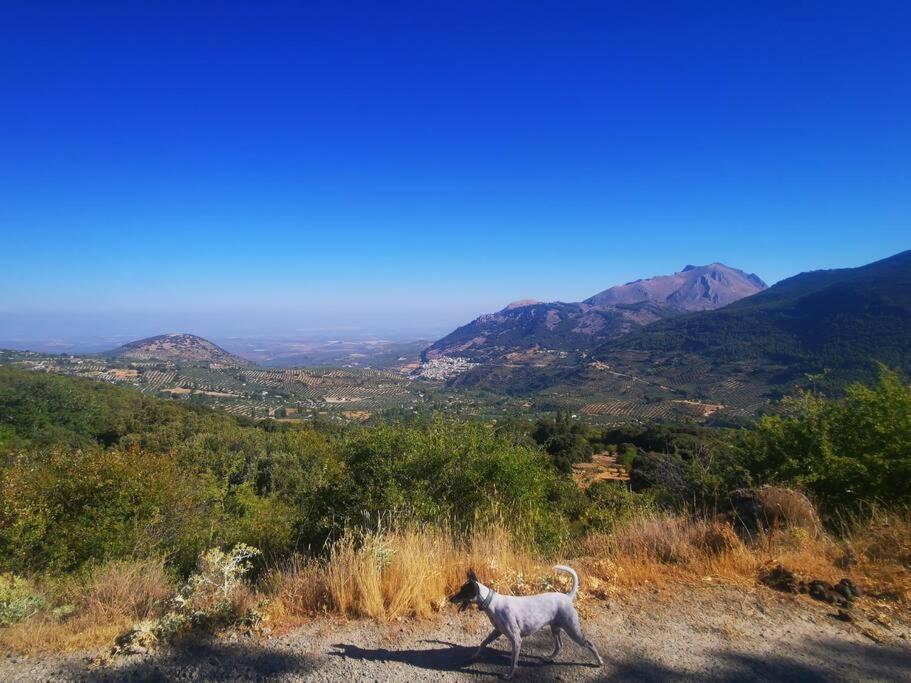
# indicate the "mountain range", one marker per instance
pixel 832 325
pixel 527 328
pixel 704 341
pixel 843 320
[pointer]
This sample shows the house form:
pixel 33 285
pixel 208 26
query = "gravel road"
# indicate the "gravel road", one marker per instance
pixel 718 634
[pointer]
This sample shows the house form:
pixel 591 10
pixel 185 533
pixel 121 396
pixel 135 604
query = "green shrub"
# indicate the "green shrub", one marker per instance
pixel 19 599
pixel 66 509
pixel 457 471
pixel 845 452
pixel 565 439
pixel 612 504
pixel 627 454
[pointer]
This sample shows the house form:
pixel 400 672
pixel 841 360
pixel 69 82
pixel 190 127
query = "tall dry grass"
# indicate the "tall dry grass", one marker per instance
pixel 878 547
pixel 408 570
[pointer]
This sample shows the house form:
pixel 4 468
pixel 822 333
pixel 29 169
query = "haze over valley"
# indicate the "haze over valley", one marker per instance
pixel 682 346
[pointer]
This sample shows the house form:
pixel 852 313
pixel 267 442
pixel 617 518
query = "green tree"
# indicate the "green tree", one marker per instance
pixel 846 451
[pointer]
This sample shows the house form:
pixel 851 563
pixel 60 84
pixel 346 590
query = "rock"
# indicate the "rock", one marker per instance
pixel 826 592
pixel 819 590
pixel 781 579
pixel 847 589
pixel 845 615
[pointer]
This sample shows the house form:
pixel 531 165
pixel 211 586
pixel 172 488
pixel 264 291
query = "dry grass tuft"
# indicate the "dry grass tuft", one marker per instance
pixel 667 540
pixel 94 609
pixel 880 550
pixel 658 549
pixel 407 571
pixel 138 590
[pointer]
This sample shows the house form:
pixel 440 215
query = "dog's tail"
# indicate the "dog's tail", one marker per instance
pixel 571 572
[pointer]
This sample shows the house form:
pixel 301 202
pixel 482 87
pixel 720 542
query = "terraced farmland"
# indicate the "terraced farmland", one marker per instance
pixel 299 393
pixel 602 393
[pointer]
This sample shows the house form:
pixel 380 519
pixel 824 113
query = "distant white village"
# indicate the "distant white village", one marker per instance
pixel 444 368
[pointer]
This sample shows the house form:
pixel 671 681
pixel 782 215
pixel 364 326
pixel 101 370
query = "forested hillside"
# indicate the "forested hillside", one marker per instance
pixel 110 501
pixel 843 320
pixel 90 469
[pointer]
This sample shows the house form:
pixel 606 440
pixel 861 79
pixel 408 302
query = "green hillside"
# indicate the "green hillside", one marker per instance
pixel 843 320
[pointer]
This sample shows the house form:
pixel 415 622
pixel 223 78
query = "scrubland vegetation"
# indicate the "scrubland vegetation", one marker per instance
pixel 124 514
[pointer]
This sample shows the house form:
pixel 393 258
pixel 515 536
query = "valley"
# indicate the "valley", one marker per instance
pixel 596 393
pixel 709 344
pixel 290 394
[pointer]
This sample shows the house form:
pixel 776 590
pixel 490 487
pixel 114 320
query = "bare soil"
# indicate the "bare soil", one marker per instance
pixel 713 634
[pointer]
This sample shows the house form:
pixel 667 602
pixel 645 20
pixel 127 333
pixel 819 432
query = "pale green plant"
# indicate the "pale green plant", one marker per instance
pixel 19 599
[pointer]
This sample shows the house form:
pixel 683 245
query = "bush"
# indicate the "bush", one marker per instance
pixel 565 439
pixel 215 592
pixel 769 508
pixel 68 509
pixel 665 475
pixel 444 470
pixel 19 599
pixel 611 504
pixel 845 452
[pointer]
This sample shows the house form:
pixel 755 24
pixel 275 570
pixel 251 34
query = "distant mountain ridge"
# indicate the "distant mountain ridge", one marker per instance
pixel 695 288
pixel 841 319
pixel 177 347
pixel 528 327
pixel 820 329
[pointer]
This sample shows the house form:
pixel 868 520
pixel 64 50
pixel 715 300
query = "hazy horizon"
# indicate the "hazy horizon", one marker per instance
pixel 286 169
pixel 90 331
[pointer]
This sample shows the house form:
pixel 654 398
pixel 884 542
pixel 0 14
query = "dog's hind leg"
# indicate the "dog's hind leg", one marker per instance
pixel 487 641
pixel 574 629
pixel 558 643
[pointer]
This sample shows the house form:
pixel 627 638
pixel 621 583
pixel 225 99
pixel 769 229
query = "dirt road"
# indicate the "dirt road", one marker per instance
pixel 718 635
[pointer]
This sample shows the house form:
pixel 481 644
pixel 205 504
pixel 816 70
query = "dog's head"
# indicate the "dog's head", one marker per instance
pixel 468 593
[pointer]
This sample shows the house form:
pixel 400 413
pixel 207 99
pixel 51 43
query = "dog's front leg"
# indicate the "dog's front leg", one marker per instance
pixel 516 641
pixel 487 641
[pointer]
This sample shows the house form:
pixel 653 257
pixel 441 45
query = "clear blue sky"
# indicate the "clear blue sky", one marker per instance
pixel 261 166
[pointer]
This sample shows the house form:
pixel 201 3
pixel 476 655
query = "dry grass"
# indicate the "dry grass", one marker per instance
pixel 399 572
pixel 657 549
pixel 409 570
pixel 881 549
pixel 99 607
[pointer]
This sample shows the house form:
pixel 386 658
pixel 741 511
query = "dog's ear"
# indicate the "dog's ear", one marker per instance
pixel 472 576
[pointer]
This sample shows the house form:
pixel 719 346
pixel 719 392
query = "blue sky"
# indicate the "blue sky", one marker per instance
pixel 243 168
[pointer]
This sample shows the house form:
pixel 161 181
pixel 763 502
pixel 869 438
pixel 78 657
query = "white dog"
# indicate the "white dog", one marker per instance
pixel 517 617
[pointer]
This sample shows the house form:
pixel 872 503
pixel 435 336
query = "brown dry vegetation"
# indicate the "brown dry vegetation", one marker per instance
pixel 409 570
pixel 97 607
